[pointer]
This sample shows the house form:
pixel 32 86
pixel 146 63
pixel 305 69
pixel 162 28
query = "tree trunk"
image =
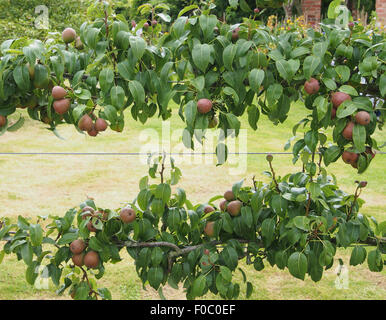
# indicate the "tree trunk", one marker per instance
pixel 288 9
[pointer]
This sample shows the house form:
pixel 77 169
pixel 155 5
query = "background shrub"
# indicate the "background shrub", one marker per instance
pixel 17 17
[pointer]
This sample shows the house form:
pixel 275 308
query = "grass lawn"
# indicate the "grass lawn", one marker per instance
pixel 34 185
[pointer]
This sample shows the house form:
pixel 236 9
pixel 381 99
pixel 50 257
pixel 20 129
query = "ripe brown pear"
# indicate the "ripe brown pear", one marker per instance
pixel 363 118
pixel 78 259
pixel 347 131
pixel 208 209
pixel 311 86
pixel 127 215
pixel 77 246
pixel 100 124
pixel 209 229
pixel 3 121
pixel 333 113
pixel 229 195
pixel 223 205
pixel 58 92
pixel 337 98
pixel 235 34
pixel 85 123
pixel 234 207
pixel 90 211
pixel 91 227
pixel 349 157
pixel 68 35
pixel 91 260
pixel 93 132
pixel 204 106
pixel 62 106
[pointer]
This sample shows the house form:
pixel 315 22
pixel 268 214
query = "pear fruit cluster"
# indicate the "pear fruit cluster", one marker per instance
pixel 80 258
pixel 61 104
pixel 230 204
pixel 89 212
pixel 87 124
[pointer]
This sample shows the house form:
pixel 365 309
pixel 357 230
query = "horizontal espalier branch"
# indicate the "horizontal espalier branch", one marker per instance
pixel 177 250
pixel 85 76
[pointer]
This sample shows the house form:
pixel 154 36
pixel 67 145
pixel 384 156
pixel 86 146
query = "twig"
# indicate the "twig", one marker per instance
pixel 356 196
pixel 273 176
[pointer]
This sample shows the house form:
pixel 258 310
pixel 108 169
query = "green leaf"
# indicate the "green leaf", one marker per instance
pixel 190 113
pixel 297 265
pixel 330 84
pixel 137 91
pixel 349 90
pixel 309 66
pixel 359 137
pixel 36 234
pixel 331 154
pixel 201 56
pixel 21 76
pixel 163 192
pixel 138 45
pixel 186 9
pixel 117 95
pixel 311 139
pixel 249 289
pixel 343 73
pixel 284 69
pixel 226 273
pixel 358 256
pixel 229 55
pixel 268 231
pixel 110 113
pixel 91 37
pixel 314 189
pixel 31 273
pixel 155 276
pixel 321 104
pixel 302 223
pixel 95 244
pixel 26 253
pixel 374 261
pixel 17 125
pixel 256 77
pixel 230 257
pixel 207 24
pixel 106 79
pixel 198 286
pixel 346 109
pixel 253 116
pixel 156 256
pixel 68 238
pixel 382 85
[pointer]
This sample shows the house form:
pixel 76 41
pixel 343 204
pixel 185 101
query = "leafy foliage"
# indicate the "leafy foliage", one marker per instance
pixel 293 222
pixel 17 17
pixel 243 67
